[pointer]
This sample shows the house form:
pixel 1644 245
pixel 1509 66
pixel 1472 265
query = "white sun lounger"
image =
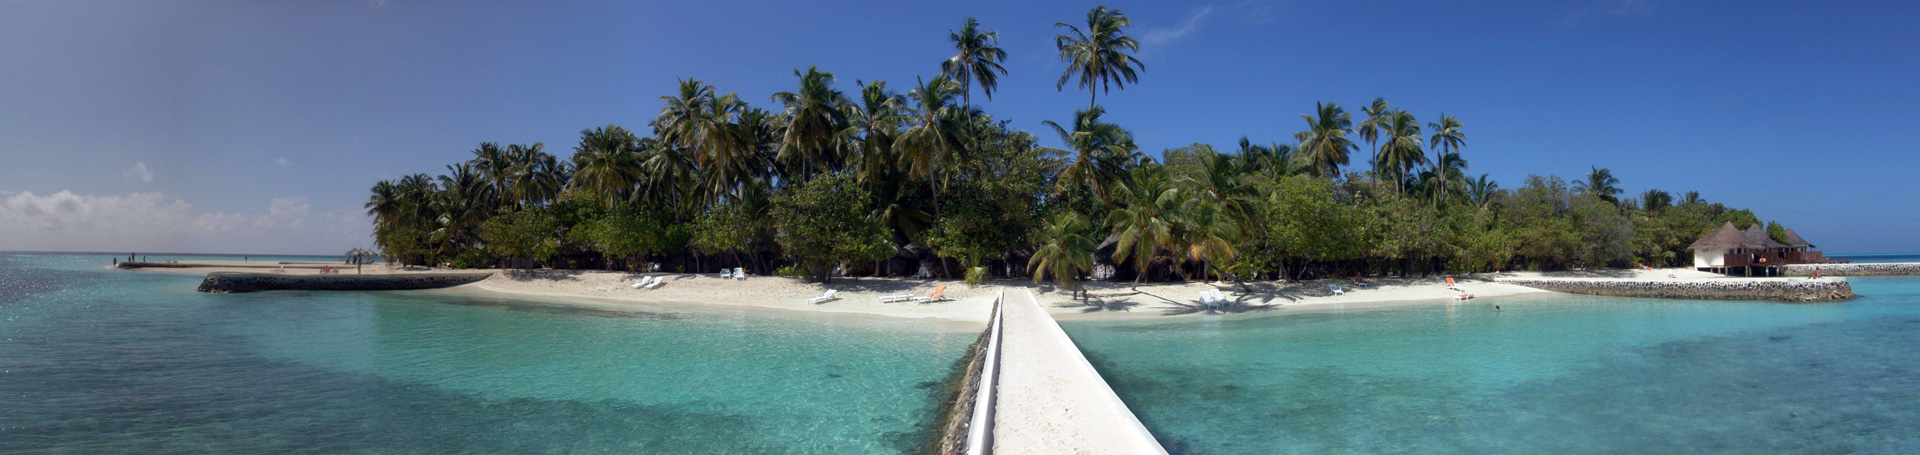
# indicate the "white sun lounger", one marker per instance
pixel 823 297
pixel 1336 289
pixel 896 298
pixel 642 283
pixel 1206 298
pixel 1220 299
pixel 740 273
pixel 657 281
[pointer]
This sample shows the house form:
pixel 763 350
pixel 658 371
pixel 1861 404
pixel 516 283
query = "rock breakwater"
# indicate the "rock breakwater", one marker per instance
pixel 253 282
pixel 1882 269
pixel 1790 290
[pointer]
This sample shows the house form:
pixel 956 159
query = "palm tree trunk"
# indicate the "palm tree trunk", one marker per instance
pixel 937 225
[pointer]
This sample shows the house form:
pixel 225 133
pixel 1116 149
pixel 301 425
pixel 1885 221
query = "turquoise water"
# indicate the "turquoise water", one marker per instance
pixel 102 361
pixel 1548 374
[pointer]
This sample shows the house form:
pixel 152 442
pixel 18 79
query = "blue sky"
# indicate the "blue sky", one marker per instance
pixel 258 126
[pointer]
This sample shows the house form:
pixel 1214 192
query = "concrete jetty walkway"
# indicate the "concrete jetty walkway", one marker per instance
pixel 1050 400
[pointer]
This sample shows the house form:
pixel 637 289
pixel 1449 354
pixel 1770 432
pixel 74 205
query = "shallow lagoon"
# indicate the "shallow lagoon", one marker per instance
pixel 1548 374
pixel 95 360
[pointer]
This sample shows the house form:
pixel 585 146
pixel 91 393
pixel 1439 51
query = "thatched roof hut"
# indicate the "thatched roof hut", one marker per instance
pixel 1794 240
pixel 1759 235
pixel 1724 238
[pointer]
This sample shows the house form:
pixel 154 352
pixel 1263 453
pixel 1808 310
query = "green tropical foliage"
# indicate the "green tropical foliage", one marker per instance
pixel 875 182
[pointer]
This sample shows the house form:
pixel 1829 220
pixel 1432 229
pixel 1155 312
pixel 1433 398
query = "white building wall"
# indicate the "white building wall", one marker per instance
pixel 1709 258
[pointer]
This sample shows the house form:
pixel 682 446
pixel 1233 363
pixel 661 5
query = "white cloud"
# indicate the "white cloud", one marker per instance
pixel 282 162
pixel 1164 35
pixel 139 172
pixel 65 221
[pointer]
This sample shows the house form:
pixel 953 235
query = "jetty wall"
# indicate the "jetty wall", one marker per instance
pixel 1872 269
pixel 252 282
pixel 968 424
pixel 1790 290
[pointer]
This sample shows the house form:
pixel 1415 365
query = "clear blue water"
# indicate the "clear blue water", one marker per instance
pixel 1547 375
pixel 103 361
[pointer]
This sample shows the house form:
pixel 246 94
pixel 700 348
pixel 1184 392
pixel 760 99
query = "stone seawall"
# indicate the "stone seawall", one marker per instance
pixel 1791 290
pixel 965 389
pixel 1886 269
pixel 251 282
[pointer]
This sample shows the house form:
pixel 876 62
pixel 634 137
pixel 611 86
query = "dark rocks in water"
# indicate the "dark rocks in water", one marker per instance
pixel 1718 289
pixel 833 375
pixel 1780 338
pixel 1868 269
pixel 253 282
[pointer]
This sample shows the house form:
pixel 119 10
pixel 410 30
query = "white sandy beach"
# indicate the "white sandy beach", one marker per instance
pixel 967 303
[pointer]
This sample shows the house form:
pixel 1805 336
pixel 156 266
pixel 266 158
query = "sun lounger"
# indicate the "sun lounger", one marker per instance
pixel 740 273
pixel 935 296
pixel 896 298
pixel 823 297
pixel 1221 299
pixel 657 281
pixel 642 283
pixel 1336 289
pixel 1456 287
pixel 1206 299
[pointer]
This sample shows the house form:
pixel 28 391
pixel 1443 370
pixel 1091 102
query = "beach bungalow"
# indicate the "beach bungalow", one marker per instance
pixel 1729 250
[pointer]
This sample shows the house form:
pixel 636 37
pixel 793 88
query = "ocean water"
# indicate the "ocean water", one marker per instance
pixel 103 361
pixel 1546 375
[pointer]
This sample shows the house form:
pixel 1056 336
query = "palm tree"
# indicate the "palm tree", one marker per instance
pixel 1375 125
pixel 816 116
pixel 1099 55
pixel 1449 171
pixel 872 126
pixel 1402 151
pixel 384 205
pixel 1325 141
pixel 1446 134
pixel 1692 197
pixel 1207 231
pixel 681 121
pixel 607 163
pixel 1145 225
pixel 939 139
pixel 1600 183
pixel 978 58
pixel 496 167
pixel 1065 251
pixel 1655 200
pixel 538 176
pixel 1099 150
pixel 1482 190
pixel 1219 185
pixel 461 205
